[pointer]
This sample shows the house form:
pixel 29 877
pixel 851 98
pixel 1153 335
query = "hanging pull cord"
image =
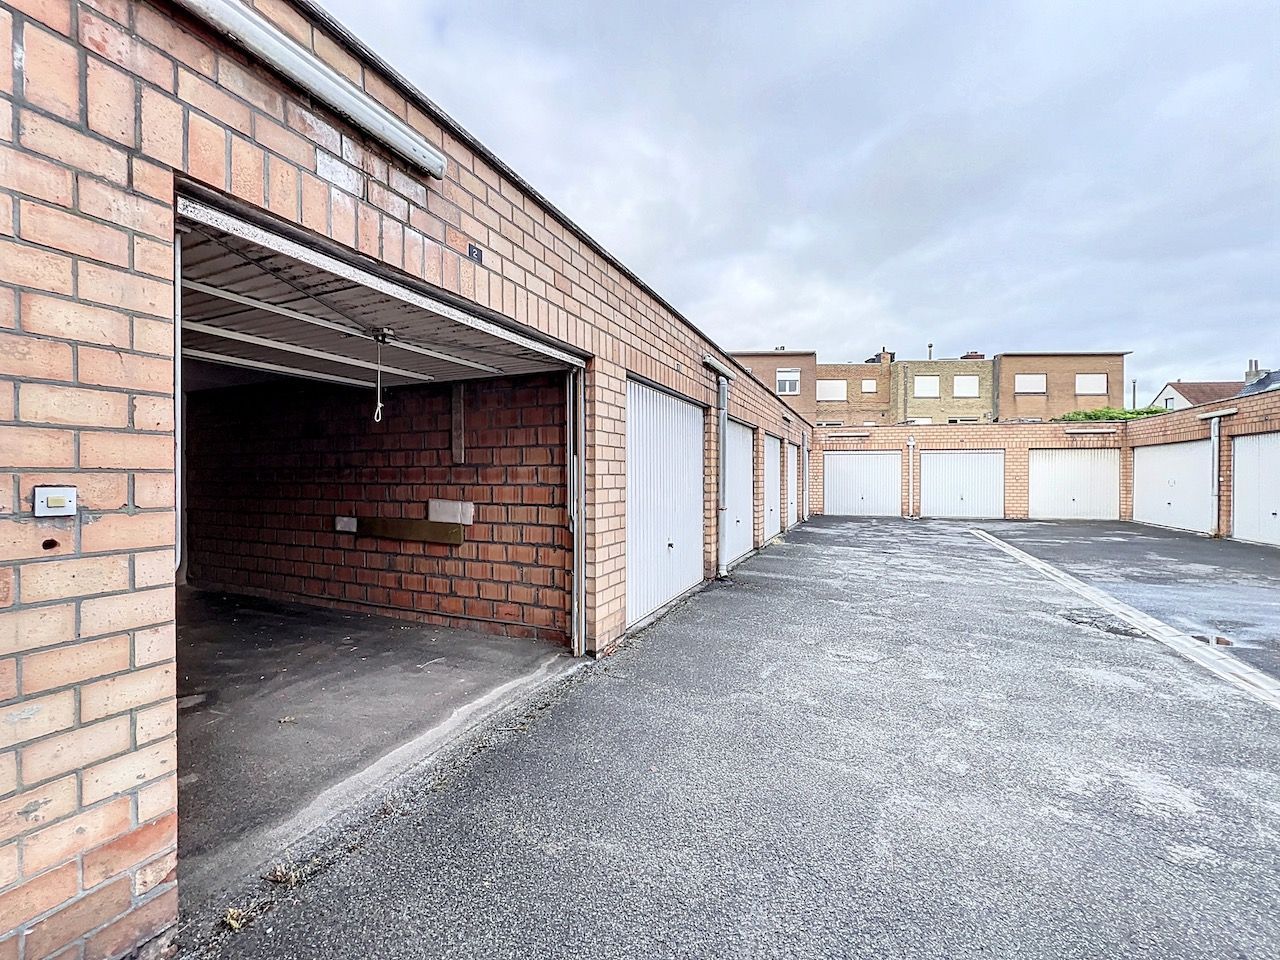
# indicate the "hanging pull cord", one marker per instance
pixel 377 409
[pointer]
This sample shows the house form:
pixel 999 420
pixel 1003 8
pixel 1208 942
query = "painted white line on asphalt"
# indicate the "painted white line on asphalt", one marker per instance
pixel 1216 661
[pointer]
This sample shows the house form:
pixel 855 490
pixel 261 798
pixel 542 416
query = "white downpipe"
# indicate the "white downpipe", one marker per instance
pixel 911 477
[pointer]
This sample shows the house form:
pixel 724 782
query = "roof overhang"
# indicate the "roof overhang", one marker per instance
pixel 256 297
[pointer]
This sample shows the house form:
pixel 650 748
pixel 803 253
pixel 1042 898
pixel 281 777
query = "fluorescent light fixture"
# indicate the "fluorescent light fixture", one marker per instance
pixel 279 51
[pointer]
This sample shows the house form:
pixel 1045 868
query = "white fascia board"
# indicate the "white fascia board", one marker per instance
pixel 275 48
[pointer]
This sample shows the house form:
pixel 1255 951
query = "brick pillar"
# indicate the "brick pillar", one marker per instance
pixel 606 496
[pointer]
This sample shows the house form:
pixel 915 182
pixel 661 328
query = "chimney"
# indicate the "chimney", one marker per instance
pixel 974 355
pixel 931 351
pixel 1254 372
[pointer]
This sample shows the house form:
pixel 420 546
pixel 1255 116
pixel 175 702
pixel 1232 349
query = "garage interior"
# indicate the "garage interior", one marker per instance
pixel 379 531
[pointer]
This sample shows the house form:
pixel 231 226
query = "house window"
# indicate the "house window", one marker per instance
pixel 833 390
pixel 1168 403
pixel 964 385
pixel 831 423
pixel 868 386
pixel 787 383
pixel 1029 383
pixel 962 420
pixel 1091 384
pixel 927 386
pixel 921 421
pixel 869 423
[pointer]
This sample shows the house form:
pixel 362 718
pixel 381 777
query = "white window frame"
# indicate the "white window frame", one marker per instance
pixel 839 387
pixel 962 420
pixel 920 421
pixel 1106 385
pixel 870 385
pixel 779 379
pixel 966 377
pixel 830 423
pixel 1168 403
pixel 1026 383
pixel 937 386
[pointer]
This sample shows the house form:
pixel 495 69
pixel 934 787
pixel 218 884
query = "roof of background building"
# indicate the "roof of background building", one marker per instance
pixel 1270 381
pixel 1196 392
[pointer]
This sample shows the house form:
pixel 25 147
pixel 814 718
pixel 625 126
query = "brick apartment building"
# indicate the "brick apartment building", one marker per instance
pixel 264 311
pixel 884 390
pixel 791 374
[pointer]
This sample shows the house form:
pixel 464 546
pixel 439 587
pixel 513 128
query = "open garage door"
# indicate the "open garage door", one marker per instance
pixel 740 496
pixel 962 483
pixel 665 490
pixel 379 512
pixel 772 487
pixel 862 483
pixel 793 484
pixel 1173 485
pixel 1255 488
pixel 1074 484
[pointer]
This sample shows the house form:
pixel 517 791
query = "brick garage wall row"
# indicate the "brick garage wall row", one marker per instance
pixel 1257 414
pixel 1016 440
pixel 269 467
pixel 104 106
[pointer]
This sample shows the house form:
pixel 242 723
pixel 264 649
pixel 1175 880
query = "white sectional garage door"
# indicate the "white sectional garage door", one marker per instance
pixel 739 490
pixel 772 487
pixel 862 483
pixel 664 498
pixel 962 483
pixel 1173 485
pixel 1255 488
pixel 793 483
pixel 1074 484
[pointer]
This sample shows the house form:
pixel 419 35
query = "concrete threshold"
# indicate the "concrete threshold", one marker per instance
pixel 311 721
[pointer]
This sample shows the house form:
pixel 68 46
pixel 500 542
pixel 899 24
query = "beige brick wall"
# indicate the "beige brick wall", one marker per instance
pixel 905 405
pixel 859 408
pixel 1060 376
pixel 102 104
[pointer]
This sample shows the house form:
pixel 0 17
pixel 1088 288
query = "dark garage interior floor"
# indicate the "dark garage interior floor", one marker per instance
pixel 287 712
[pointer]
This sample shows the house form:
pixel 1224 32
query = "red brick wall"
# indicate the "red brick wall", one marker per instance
pixel 271 466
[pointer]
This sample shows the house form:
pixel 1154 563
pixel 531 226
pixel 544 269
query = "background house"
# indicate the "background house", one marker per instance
pixel 1036 387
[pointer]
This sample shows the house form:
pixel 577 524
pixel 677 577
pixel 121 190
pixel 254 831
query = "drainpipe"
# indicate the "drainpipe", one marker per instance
pixel 1215 441
pixel 911 477
pixel 724 375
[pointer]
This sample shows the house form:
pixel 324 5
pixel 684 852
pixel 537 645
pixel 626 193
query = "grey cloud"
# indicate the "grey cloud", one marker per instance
pixel 1003 175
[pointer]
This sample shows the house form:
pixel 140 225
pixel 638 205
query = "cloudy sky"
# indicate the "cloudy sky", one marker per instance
pixel 1050 174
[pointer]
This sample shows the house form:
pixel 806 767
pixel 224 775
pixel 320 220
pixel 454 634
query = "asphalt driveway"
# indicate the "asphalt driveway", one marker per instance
pixel 881 739
pixel 1203 587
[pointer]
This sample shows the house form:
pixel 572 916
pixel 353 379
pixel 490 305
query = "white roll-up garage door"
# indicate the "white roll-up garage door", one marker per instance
pixel 772 487
pixel 1173 485
pixel 1255 488
pixel 962 483
pixel 664 498
pixel 740 494
pixel 1074 484
pixel 793 484
pixel 863 483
